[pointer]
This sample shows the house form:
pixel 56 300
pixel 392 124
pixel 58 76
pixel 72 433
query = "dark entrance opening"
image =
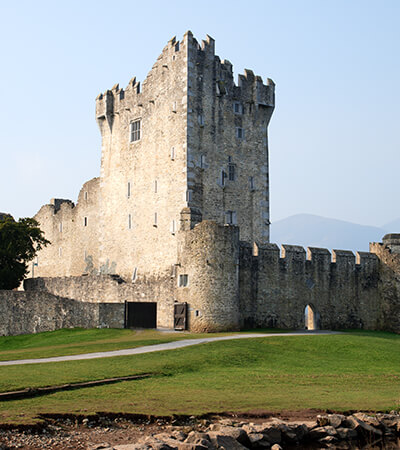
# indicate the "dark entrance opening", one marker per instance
pixel 311 317
pixel 180 316
pixel 141 315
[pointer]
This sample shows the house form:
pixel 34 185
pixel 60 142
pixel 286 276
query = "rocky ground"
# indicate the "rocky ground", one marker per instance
pixel 230 432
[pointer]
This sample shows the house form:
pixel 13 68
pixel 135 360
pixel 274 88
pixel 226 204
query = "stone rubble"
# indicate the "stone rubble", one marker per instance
pixel 334 431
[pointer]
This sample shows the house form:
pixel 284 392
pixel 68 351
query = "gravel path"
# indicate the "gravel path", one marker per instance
pixel 159 347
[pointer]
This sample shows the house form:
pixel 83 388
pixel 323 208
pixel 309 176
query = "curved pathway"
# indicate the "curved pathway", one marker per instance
pixel 159 347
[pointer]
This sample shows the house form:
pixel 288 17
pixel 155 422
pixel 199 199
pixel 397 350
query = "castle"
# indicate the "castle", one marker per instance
pixel 175 231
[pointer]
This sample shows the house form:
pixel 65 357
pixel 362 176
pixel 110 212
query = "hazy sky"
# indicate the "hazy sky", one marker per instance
pixel 334 136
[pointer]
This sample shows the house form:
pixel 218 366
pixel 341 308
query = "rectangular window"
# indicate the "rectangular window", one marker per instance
pixel 134 274
pixel 128 190
pixel 129 221
pixel 155 220
pixel 172 153
pixel 202 161
pixel 60 251
pixel 60 227
pixel 231 172
pixel 177 47
pixel 237 108
pixel 252 184
pixel 85 221
pixel 200 119
pixel 173 227
pixel 240 133
pixel 223 176
pixel 230 218
pixel 183 280
pixel 174 107
pixel 85 195
pixel 155 186
pixel 135 130
pixel 189 194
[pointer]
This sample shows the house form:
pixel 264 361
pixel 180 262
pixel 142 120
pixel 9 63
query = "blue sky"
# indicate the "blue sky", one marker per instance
pixel 334 141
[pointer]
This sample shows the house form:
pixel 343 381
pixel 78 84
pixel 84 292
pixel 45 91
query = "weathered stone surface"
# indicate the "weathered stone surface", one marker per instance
pixel 237 433
pixel 219 440
pixel 362 428
pixel 321 432
pixel 258 440
pixel 346 433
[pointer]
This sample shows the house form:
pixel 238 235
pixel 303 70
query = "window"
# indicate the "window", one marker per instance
pixel 230 218
pixel 231 171
pixel 128 190
pixel 183 280
pixel 237 108
pixel 60 251
pixel 177 47
pixel 155 186
pixel 85 195
pixel 223 176
pixel 189 194
pixel 239 133
pixel 202 161
pixel 200 119
pixel 134 274
pixel 135 129
pixel 129 221
pixel 85 221
pixel 60 227
pixel 173 227
pixel 172 153
pixel 197 313
pixel 252 184
pixel 174 107
pixel 155 220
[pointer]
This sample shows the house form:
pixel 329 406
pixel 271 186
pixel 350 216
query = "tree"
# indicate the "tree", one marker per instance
pixel 19 243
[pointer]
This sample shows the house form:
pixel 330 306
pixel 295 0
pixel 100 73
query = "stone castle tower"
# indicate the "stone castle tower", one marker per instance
pixel 185 146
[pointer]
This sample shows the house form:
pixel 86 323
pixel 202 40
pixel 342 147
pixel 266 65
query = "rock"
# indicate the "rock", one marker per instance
pixel 322 420
pixel 258 440
pixel 195 436
pixel 179 435
pixel 237 433
pixel 85 422
pixel 363 428
pixel 321 432
pixel 370 420
pixel 335 420
pixel 276 447
pixel 327 440
pixel 228 442
pixel 301 431
pixel 346 433
pixel 187 446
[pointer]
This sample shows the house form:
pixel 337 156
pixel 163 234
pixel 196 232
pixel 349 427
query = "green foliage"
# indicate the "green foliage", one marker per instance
pixel 19 243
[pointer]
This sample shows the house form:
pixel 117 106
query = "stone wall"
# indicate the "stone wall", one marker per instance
pixel 37 311
pixel 110 289
pixel 275 290
pixel 388 253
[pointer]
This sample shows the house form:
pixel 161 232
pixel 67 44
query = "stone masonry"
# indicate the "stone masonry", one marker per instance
pixel 180 214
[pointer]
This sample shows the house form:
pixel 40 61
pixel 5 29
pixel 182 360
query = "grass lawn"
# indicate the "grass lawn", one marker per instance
pixel 78 340
pixel 341 372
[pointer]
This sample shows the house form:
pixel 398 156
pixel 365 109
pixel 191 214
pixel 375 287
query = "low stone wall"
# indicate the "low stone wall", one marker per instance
pixel 113 289
pixel 37 311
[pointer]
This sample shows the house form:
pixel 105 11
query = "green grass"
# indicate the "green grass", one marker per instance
pixel 78 340
pixel 341 372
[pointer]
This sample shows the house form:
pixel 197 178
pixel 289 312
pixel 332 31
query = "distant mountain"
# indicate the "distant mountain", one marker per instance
pixel 315 231
pixel 393 226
